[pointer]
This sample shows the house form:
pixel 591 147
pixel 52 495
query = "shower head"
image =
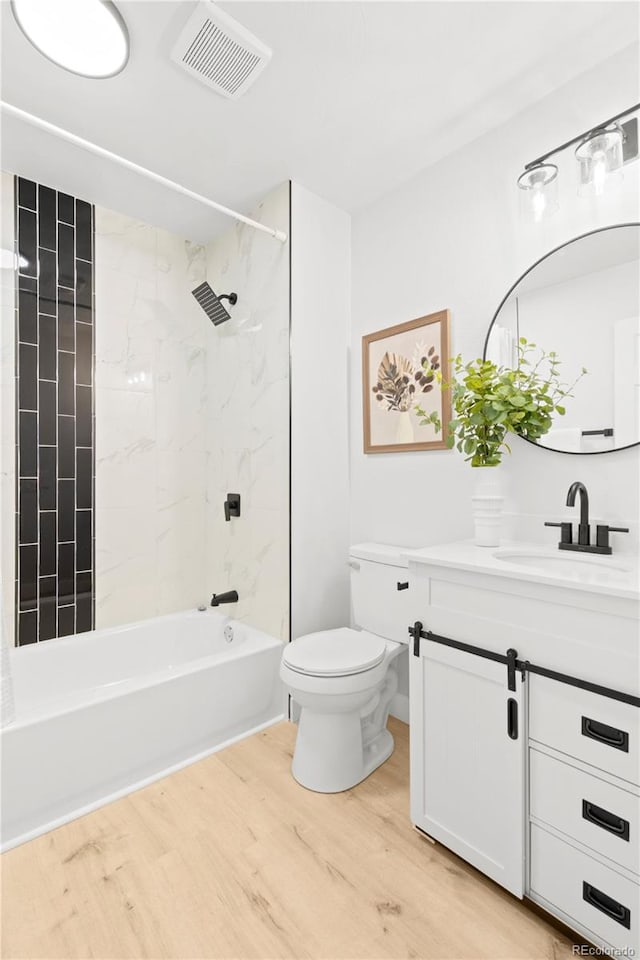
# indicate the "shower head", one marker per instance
pixel 210 303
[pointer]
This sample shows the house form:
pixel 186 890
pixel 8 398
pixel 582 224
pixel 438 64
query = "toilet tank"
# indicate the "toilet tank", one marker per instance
pixel 379 599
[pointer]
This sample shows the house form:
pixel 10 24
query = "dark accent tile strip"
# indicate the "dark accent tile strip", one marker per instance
pixel 28 444
pixel 47 278
pixel 27 628
pixel 28 511
pixel 27 316
pixel 47 412
pixel 47 217
pixel 55 587
pixel 27 243
pixel 27 377
pixel 26 193
pixel 47 341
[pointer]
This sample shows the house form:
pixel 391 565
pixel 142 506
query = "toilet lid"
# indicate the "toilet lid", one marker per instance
pixel 335 653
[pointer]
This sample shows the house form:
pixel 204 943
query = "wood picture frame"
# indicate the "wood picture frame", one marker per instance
pixel 399 368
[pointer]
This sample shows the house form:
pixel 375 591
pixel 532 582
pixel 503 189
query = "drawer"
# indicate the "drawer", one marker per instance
pixel 599 815
pixel 595 729
pixel 594 896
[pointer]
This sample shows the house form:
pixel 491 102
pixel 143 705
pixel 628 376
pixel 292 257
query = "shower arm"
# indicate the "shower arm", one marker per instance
pixel 63 134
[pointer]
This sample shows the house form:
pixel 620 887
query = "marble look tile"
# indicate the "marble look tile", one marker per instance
pixel 185 413
pixel 150 419
pixel 247 432
pixel 181 578
pixel 180 395
pixel 125 449
pixel 125 566
pixel 126 245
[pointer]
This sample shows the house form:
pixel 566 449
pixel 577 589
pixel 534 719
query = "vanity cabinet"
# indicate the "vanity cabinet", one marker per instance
pixel 468 792
pixel 530 770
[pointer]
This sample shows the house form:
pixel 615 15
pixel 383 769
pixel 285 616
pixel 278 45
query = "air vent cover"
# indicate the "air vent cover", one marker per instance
pixel 219 51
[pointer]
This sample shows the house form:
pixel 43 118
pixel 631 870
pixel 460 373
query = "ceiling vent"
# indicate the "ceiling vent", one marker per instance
pixel 217 50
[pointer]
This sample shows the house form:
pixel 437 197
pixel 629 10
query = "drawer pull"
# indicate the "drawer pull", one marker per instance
pixel 608 821
pixel 403 586
pixel 611 736
pixel 606 905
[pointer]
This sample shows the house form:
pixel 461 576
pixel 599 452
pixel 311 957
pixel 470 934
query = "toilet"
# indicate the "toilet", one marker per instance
pixel 344 680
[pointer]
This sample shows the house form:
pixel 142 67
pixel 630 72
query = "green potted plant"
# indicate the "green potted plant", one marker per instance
pixel 490 402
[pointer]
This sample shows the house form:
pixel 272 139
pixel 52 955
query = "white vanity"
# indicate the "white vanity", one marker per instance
pixel 525 733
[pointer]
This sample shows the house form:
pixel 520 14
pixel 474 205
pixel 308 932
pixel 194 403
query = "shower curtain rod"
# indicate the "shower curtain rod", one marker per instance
pixel 130 165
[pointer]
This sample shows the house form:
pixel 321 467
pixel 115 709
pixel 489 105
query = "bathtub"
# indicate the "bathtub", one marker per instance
pixel 104 713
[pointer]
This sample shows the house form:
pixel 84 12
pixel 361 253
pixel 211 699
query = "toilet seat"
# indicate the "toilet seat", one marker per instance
pixel 335 653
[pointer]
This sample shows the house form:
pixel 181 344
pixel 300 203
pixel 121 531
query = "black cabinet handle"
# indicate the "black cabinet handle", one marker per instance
pixel 603 733
pixel 607 821
pixel 403 586
pixel 512 718
pixel 606 905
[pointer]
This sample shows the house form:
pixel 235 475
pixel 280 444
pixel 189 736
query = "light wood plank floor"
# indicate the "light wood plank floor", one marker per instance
pixel 231 858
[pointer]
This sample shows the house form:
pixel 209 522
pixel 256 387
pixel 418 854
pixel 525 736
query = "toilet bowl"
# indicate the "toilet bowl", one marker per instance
pixel 343 680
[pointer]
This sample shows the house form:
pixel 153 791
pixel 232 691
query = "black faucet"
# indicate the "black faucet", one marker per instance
pixel 231 596
pixel 584 528
pixel 584 533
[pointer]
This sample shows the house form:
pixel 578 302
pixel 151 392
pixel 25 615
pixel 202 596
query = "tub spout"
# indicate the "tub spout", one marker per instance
pixel 231 596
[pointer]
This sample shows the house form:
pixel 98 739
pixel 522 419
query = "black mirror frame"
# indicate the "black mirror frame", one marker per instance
pixel 582 236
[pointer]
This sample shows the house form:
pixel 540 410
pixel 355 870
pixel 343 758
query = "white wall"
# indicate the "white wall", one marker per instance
pixel 150 408
pixel 452 238
pixel 247 420
pixel 320 307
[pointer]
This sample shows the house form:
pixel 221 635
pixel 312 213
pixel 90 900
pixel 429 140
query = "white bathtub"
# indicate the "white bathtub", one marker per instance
pixel 104 713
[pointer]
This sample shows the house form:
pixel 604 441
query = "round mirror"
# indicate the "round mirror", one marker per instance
pixel 582 301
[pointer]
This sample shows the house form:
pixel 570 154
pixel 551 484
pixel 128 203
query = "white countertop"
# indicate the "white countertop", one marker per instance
pixel 613 576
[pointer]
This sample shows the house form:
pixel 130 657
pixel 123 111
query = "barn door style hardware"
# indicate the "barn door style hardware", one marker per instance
pixel 513 664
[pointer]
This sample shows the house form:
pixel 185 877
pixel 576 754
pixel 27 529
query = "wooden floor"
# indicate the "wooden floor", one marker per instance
pixel 231 858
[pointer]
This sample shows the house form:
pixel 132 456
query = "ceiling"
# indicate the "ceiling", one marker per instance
pixel 358 98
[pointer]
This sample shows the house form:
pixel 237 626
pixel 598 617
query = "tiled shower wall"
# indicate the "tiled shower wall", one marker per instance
pixel 54 430
pixel 151 415
pixel 184 413
pixel 247 439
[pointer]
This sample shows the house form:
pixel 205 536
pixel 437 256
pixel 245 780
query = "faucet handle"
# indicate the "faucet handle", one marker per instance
pixel 566 530
pixel 602 535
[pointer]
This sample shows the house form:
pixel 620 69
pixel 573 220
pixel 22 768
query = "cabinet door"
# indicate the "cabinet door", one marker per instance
pixel 467 759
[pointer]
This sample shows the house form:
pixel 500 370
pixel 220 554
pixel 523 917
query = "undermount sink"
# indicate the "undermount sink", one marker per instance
pixel 567 564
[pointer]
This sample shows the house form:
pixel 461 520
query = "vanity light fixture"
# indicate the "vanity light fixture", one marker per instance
pixel 600 153
pixel 86 37
pixel 538 191
pixel 599 156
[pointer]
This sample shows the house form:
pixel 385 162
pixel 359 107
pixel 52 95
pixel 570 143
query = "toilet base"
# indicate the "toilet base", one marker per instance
pixel 340 767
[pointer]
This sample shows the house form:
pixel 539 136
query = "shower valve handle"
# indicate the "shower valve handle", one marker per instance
pixel 232 506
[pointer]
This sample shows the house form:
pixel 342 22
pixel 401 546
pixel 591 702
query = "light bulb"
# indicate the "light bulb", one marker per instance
pixel 538 203
pixel 599 173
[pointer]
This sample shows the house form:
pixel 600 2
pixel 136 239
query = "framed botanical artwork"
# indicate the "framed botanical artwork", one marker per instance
pixel 404 407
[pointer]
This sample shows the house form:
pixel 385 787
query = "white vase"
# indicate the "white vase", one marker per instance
pixel 404 432
pixel 487 503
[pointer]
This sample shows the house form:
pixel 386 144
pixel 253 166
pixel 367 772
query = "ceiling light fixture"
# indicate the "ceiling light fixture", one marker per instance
pixel 86 37
pixel 600 153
